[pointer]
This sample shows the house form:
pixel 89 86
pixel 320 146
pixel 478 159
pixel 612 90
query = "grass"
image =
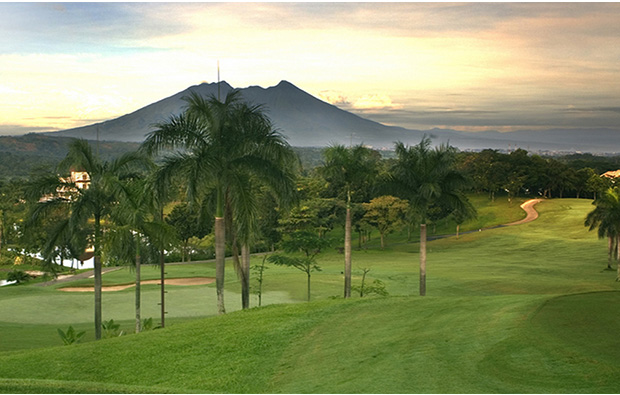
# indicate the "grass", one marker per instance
pixel 524 309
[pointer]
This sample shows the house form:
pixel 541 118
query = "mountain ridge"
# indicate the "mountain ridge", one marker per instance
pixel 307 121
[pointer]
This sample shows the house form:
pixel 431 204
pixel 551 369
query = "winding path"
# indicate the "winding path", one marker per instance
pixel 530 211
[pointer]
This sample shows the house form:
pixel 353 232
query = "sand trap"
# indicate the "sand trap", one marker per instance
pixel 170 281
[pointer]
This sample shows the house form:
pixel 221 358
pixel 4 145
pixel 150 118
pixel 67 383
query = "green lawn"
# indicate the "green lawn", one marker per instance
pixel 523 309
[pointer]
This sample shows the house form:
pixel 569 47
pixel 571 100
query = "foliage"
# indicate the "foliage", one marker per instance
pixel 228 148
pixel 259 272
pixel 386 213
pixel 147 324
pixel 71 336
pixel 377 287
pixel 310 244
pixel 188 223
pixel 18 276
pixel 111 329
pixel 606 219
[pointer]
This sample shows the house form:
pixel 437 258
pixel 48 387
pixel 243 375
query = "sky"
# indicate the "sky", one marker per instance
pixel 464 66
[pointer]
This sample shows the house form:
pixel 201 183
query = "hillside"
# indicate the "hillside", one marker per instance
pixel 21 155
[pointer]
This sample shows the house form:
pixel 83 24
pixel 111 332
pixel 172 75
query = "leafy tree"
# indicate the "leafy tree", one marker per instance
pixel 386 213
pixel 89 207
pixel 350 170
pixel 606 218
pixel 188 223
pixel 427 177
pixel 224 144
pixel 309 244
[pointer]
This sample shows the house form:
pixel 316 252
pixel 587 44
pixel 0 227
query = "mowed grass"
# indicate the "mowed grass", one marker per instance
pixel 517 309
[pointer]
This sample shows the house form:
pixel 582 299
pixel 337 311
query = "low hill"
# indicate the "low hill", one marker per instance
pixel 510 344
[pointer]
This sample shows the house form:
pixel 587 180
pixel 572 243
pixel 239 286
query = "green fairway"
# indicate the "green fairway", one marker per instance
pixel 521 309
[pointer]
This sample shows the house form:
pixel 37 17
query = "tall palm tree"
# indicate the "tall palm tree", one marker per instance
pixel 222 144
pixel 350 170
pixel 137 226
pixel 89 206
pixel 429 179
pixel 606 218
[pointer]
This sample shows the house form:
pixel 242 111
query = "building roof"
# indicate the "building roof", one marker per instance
pixel 611 174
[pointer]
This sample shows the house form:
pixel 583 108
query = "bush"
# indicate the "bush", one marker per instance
pixel 71 336
pixel 18 276
pixel 111 329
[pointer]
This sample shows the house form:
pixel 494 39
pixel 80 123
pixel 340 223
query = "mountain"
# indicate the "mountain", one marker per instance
pixel 309 122
pixel 302 118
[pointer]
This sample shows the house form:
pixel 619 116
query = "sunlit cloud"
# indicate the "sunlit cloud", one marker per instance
pixel 470 65
pixel 374 101
pixel 336 98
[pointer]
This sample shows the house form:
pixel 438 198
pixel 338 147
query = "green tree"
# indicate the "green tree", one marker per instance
pixel 89 207
pixel 386 213
pixel 351 170
pixel 427 178
pixel 188 222
pixel 309 244
pixel 606 218
pixel 223 144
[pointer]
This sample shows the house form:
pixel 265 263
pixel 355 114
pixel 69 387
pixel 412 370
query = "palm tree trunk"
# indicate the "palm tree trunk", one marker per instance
pixel 245 276
pixel 347 250
pixel 308 285
pixel 610 248
pixel 138 326
pixel 382 240
pixel 422 259
pixel 618 256
pixel 220 251
pixel 458 227
pixel 162 273
pixel 98 282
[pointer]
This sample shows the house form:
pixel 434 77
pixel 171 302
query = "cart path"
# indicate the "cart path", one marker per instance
pixel 530 211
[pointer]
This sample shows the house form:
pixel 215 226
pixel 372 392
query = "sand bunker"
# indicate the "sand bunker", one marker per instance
pixel 170 281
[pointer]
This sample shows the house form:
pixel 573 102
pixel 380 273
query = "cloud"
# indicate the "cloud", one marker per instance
pixel 374 101
pixel 335 98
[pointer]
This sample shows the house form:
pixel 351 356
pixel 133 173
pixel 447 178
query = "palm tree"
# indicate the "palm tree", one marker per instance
pixel 223 144
pixel 350 170
pixel 606 217
pixel 93 203
pixel 429 180
pixel 137 227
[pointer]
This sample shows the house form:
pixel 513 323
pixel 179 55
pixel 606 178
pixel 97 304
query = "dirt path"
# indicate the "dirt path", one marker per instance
pixel 530 211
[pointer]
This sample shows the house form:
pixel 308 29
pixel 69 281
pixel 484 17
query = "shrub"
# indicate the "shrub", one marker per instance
pixel 71 336
pixel 18 276
pixel 111 329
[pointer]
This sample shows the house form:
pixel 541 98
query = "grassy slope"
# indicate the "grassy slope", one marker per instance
pixel 493 317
